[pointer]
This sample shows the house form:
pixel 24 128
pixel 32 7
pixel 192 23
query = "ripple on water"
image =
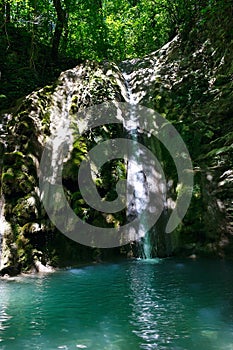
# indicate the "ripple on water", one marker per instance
pixel 156 304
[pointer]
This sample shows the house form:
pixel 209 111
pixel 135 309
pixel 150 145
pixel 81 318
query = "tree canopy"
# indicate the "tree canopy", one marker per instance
pixel 101 29
pixel 37 34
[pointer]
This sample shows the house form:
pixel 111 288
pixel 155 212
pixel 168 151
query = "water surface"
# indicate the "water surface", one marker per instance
pixel 154 304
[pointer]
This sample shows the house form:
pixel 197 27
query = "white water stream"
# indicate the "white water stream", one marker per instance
pixel 3 223
pixel 1 227
pixel 138 201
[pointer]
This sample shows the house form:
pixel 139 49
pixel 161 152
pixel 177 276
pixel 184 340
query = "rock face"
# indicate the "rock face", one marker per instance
pixel 28 236
pixel 189 82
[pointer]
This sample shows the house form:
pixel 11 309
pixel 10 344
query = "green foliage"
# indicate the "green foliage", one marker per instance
pixel 98 30
pixel 107 29
pixel 32 31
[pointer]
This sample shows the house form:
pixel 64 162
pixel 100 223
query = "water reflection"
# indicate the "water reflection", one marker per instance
pixel 154 304
pixel 179 306
pixel 21 310
pixel 145 305
pixel 4 315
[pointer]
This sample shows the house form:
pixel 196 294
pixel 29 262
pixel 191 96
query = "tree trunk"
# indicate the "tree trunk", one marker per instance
pixel 60 24
pixel 8 11
pixel 2 13
pixel 5 12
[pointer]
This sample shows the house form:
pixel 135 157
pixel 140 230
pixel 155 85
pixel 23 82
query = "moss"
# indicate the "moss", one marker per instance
pixel 19 174
pixel 25 210
pixel 8 175
pixel 25 253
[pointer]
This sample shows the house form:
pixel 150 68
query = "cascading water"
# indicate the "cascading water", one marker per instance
pixel 3 129
pixel 3 144
pixel 136 178
pixel 4 230
pixel 1 228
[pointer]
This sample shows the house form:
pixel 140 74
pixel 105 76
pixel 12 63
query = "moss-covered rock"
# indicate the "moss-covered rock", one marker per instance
pixel 189 82
pixel 33 237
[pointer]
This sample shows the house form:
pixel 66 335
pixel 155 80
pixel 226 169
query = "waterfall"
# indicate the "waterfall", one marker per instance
pixel 5 230
pixel 3 146
pixel 1 227
pixel 136 178
pixel 3 129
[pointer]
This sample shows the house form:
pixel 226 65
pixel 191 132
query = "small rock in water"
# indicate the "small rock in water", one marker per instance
pixel 42 268
pixel 192 256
